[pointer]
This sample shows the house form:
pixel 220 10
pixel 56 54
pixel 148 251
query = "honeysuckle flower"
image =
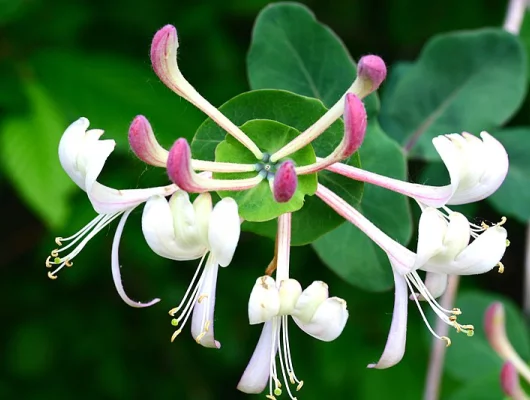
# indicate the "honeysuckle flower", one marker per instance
pixel 443 248
pixel 495 329
pixel 272 302
pixel 82 155
pixel 476 168
pixel 510 382
pixel 179 230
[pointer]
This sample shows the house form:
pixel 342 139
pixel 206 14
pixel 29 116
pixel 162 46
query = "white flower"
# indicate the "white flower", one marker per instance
pixel 180 230
pixel 272 302
pixel 82 155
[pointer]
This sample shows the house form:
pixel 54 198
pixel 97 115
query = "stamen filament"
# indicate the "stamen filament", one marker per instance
pixel 173 311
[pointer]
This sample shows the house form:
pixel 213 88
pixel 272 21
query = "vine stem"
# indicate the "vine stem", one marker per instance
pixel 438 349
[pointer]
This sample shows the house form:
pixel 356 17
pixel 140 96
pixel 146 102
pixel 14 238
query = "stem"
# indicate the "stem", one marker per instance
pixel 515 16
pixel 215 166
pixel 436 362
pixel 284 245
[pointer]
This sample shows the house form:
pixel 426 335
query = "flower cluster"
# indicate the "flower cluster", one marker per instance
pixel 178 229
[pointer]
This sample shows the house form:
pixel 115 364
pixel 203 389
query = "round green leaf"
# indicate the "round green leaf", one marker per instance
pixel 347 250
pixel 299 112
pixel 291 50
pixel 463 81
pixel 258 204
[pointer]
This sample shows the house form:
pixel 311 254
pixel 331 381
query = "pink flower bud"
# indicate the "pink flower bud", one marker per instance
pixel 164 58
pixel 285 182
pixel 144 144
pixel 373 69
pixel 494 326
pixel 179 167
pixel 510 379
pixel 354 125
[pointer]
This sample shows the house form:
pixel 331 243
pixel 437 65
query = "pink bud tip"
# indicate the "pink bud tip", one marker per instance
pixel 285 182
pixel 179 166
pixel 144 144
pixel 494 323
pixel 372 68
pixel 510 379
pixel 164 51
pixel 354 124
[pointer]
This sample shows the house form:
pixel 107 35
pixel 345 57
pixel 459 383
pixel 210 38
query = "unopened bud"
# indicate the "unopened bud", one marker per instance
pixel 144 144
pixel 494 327
pixel 285 182
pixel 164 58
pixel 372 70
pixel 264 302
pixel 179 166
pixel 510 380
pixel 354 125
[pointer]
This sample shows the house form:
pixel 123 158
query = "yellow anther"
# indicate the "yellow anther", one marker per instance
pixel 447 341
pixel 58 241
pixel 291 378
pixel 456 311
pixel 503 221
pixel 470 327
pixel 55 253
pixel 199 338
pixel 48 263
pixel 173 311
pixel 300 384
pixel 484 225
pixel 51 275
pixel 501 267
pixel 202 297
pixel 207 326
pixel 270 396
pixel 68 263
pixel 452 318
pixel 175 334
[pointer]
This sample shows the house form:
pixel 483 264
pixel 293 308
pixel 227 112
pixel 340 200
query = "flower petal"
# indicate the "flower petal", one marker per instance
pixel 116 276
pixel 264 302
pixel 309 301
pixel 256 375
pixel 397 337
pixel 328 322
pixel 203 312
pixel 144 144
pixel 431 232
pixel 159 232
pixel 69 147
pixel 224 230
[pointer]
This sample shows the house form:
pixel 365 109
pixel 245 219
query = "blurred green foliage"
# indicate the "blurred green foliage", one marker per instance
pixel 74 338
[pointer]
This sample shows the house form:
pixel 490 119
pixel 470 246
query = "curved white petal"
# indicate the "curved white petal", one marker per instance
pixel 256 375
pixel 450 157
pixel 106 200
pixel 289 291
pixel 159 233
pixel 92 159
pixel 477 258
pixel 328 322
pixel 435 284
pixel 203 312
pixel 431 232
pixel 224 230
pixel 264 302
pixel 69 148
pixel 310 299
pixel 184 219
pixel 115 262
pixel 203 211
pixel 397 337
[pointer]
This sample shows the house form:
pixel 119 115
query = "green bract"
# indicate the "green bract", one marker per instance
pixel 298 112
pixel 258 204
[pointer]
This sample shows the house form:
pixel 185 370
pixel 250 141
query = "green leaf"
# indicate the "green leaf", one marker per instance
pixel 513 197
pixel 472 357
pixel 298 112
pixel 487 387
pixel 28 154
pixel 258 204
pixel 110 92
pixel 291 50
pixel 463 81
pixel 347 250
